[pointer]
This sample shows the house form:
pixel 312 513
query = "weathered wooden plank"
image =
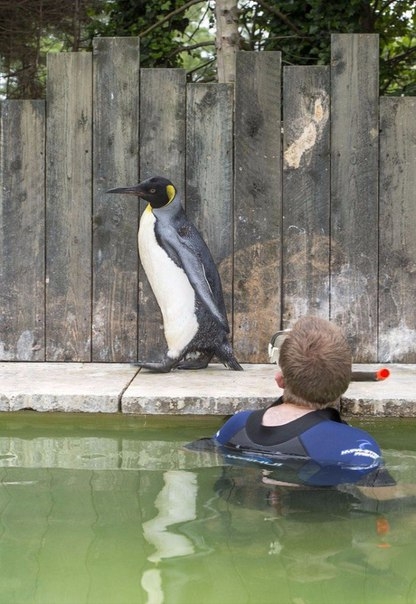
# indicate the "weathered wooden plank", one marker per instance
pixel 115 218
pixel 22 231
pixel 257 204
pixel 209 173
pixel 306 192
pixel 397 325
pixel 162 153
pixel 354 189
pixel 68 207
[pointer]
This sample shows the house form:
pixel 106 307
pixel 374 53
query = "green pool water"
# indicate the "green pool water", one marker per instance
pixel 114 510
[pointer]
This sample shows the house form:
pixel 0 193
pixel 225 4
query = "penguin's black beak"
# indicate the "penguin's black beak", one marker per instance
pixel 134 190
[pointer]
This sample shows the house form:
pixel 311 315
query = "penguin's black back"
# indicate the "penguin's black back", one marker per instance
pixel 192 238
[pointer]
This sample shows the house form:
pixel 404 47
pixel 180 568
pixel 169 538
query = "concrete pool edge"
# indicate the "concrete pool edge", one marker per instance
pixel 123 388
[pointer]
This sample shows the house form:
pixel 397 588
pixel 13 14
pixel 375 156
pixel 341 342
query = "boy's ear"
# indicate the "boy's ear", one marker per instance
pixel 280 380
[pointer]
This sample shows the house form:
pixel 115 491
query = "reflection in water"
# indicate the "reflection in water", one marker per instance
pixel 131 517
pixel 176 503
pixel 318 544
pixel 152 584
pixel 354 548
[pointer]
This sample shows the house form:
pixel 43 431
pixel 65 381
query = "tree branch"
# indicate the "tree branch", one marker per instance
pixel 280 15
pixel 399 58
pixel 175 12
pixel 189 47
pixel 200 67
pixel 386 5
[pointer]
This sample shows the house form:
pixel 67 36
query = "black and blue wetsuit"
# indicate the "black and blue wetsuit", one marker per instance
pixel 329 450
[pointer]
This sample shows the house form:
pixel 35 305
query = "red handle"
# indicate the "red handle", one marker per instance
pixel 370 376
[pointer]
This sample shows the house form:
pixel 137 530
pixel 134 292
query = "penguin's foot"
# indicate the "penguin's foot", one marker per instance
pixel 162 367
pixel 199 362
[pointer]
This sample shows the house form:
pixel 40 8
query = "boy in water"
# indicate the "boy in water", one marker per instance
pixel 315 370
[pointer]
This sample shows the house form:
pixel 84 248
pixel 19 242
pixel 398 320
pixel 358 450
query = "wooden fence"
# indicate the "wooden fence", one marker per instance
pixel 302 181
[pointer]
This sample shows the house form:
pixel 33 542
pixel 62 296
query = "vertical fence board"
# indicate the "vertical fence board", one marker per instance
pixel 257 204
pixel 22 230
pixel 397 328
pixel 306 192
pixel 115 218
pixel 209 173
pixel 354 189
pixel 162 153
pixel 68 207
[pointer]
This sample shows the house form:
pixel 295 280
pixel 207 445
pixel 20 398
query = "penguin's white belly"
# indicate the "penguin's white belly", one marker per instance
pixel 171 287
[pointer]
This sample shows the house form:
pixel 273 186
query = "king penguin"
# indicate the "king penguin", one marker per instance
pixel 184 279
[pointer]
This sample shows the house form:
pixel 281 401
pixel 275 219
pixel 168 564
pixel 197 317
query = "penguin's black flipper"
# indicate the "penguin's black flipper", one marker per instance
pixel 193 256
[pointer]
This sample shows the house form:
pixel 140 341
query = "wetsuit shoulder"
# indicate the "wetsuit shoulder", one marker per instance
pixel 232 426
pixel 333 442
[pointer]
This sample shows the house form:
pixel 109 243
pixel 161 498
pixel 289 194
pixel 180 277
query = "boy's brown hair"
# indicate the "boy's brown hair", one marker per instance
pixel 315 360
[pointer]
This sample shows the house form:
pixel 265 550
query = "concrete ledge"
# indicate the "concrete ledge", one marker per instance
pixel 89 387
pixel 213 391
pixel 113 388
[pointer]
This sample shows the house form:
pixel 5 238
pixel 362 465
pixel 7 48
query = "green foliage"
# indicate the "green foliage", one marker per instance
pixel 301 29
pixel 133 17
pixel 197 44
pixel 29 29
pixel 181 33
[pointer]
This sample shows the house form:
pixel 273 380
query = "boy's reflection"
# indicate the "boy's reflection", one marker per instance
pixel 315 532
